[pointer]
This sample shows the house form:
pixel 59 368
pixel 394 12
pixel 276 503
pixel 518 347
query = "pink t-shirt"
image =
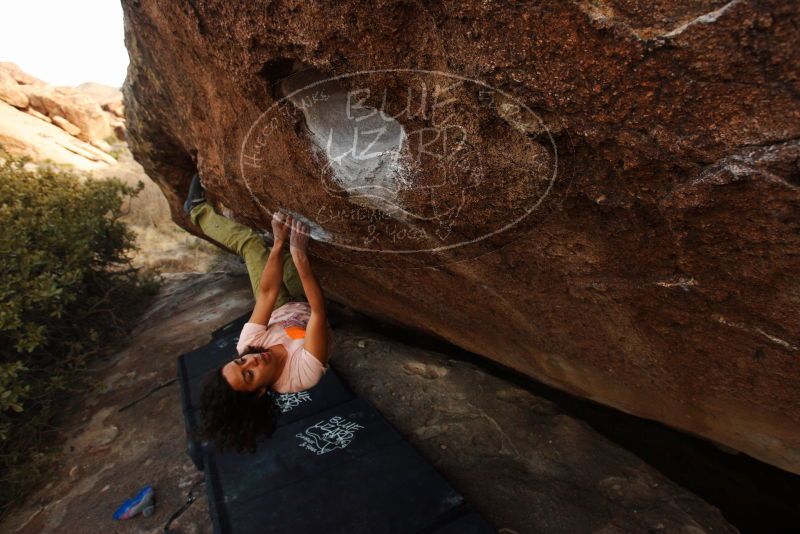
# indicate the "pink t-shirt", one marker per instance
pixel 287 327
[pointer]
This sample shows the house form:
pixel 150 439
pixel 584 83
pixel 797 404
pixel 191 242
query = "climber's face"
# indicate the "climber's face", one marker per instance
pixel 251 372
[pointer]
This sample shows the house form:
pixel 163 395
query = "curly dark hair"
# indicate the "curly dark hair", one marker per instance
pixel 235 419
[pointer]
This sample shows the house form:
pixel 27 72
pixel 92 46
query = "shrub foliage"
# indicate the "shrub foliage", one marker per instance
pixel 67 291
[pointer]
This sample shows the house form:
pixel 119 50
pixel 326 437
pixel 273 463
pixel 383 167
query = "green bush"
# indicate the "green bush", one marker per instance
pixel 67 291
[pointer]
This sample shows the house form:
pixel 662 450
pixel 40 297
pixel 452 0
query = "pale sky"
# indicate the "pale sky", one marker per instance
pixel 65 42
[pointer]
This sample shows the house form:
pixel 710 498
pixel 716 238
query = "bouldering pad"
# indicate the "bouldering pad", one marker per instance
pixel 333 464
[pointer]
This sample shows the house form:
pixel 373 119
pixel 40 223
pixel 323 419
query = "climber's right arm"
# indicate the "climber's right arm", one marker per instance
pixel 316 339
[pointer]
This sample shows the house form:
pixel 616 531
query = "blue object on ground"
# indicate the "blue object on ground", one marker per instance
pixel 131 507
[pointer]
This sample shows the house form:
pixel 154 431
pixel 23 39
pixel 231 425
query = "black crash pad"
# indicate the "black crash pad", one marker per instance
pixel 233 327
pixel 391 490
pixel 469 522
pixel 304 448
pixel 334 464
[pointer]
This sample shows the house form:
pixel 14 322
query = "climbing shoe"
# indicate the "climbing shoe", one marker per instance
pixel 196 195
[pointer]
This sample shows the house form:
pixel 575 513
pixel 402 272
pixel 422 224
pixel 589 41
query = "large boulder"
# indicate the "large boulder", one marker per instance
pixel 65 125
pixel 99 92
pixel 109 98
pixel 77 108
pixel 78 125
pixel 27 135
pixel 609 202
pixel 10 91
pixel 20 76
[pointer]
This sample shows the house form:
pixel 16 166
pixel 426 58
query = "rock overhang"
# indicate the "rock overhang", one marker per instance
pixel 657 275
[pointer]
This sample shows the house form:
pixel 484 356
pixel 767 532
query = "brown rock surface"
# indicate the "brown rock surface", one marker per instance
pixel 12 96
pixel 120 130
pixel 109 98
pixel 20 76
pixel 115 107
pixel 24 134
pixel 78 108
pixel 658 270
pixel 83 124
pixel 102 145
pixel 65 125
pixel 100 93
pixel 10 92
pixel 41 116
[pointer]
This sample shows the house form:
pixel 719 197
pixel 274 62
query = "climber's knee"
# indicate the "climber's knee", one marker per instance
pixel 254 252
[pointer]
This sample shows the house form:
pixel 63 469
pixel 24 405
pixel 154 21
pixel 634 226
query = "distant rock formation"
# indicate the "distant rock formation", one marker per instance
pixel 10 91
pixel 62 124
pixel 18 75
pixel 624 180
pixel 109 98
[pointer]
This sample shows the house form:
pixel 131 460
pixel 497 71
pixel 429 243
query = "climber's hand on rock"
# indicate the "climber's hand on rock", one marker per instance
pixel 281 226
pixel 299 239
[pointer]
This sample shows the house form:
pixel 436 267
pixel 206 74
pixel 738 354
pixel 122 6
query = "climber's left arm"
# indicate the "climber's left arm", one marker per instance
pixel 316 338
pixel 272 275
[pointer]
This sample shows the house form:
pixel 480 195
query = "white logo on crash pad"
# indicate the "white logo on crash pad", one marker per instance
pixel 326 436
pixel 288 401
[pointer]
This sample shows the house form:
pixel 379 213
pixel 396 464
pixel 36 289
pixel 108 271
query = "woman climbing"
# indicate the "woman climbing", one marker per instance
pixel 284 346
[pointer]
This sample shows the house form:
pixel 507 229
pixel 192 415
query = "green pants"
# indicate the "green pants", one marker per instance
pixel 246 243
